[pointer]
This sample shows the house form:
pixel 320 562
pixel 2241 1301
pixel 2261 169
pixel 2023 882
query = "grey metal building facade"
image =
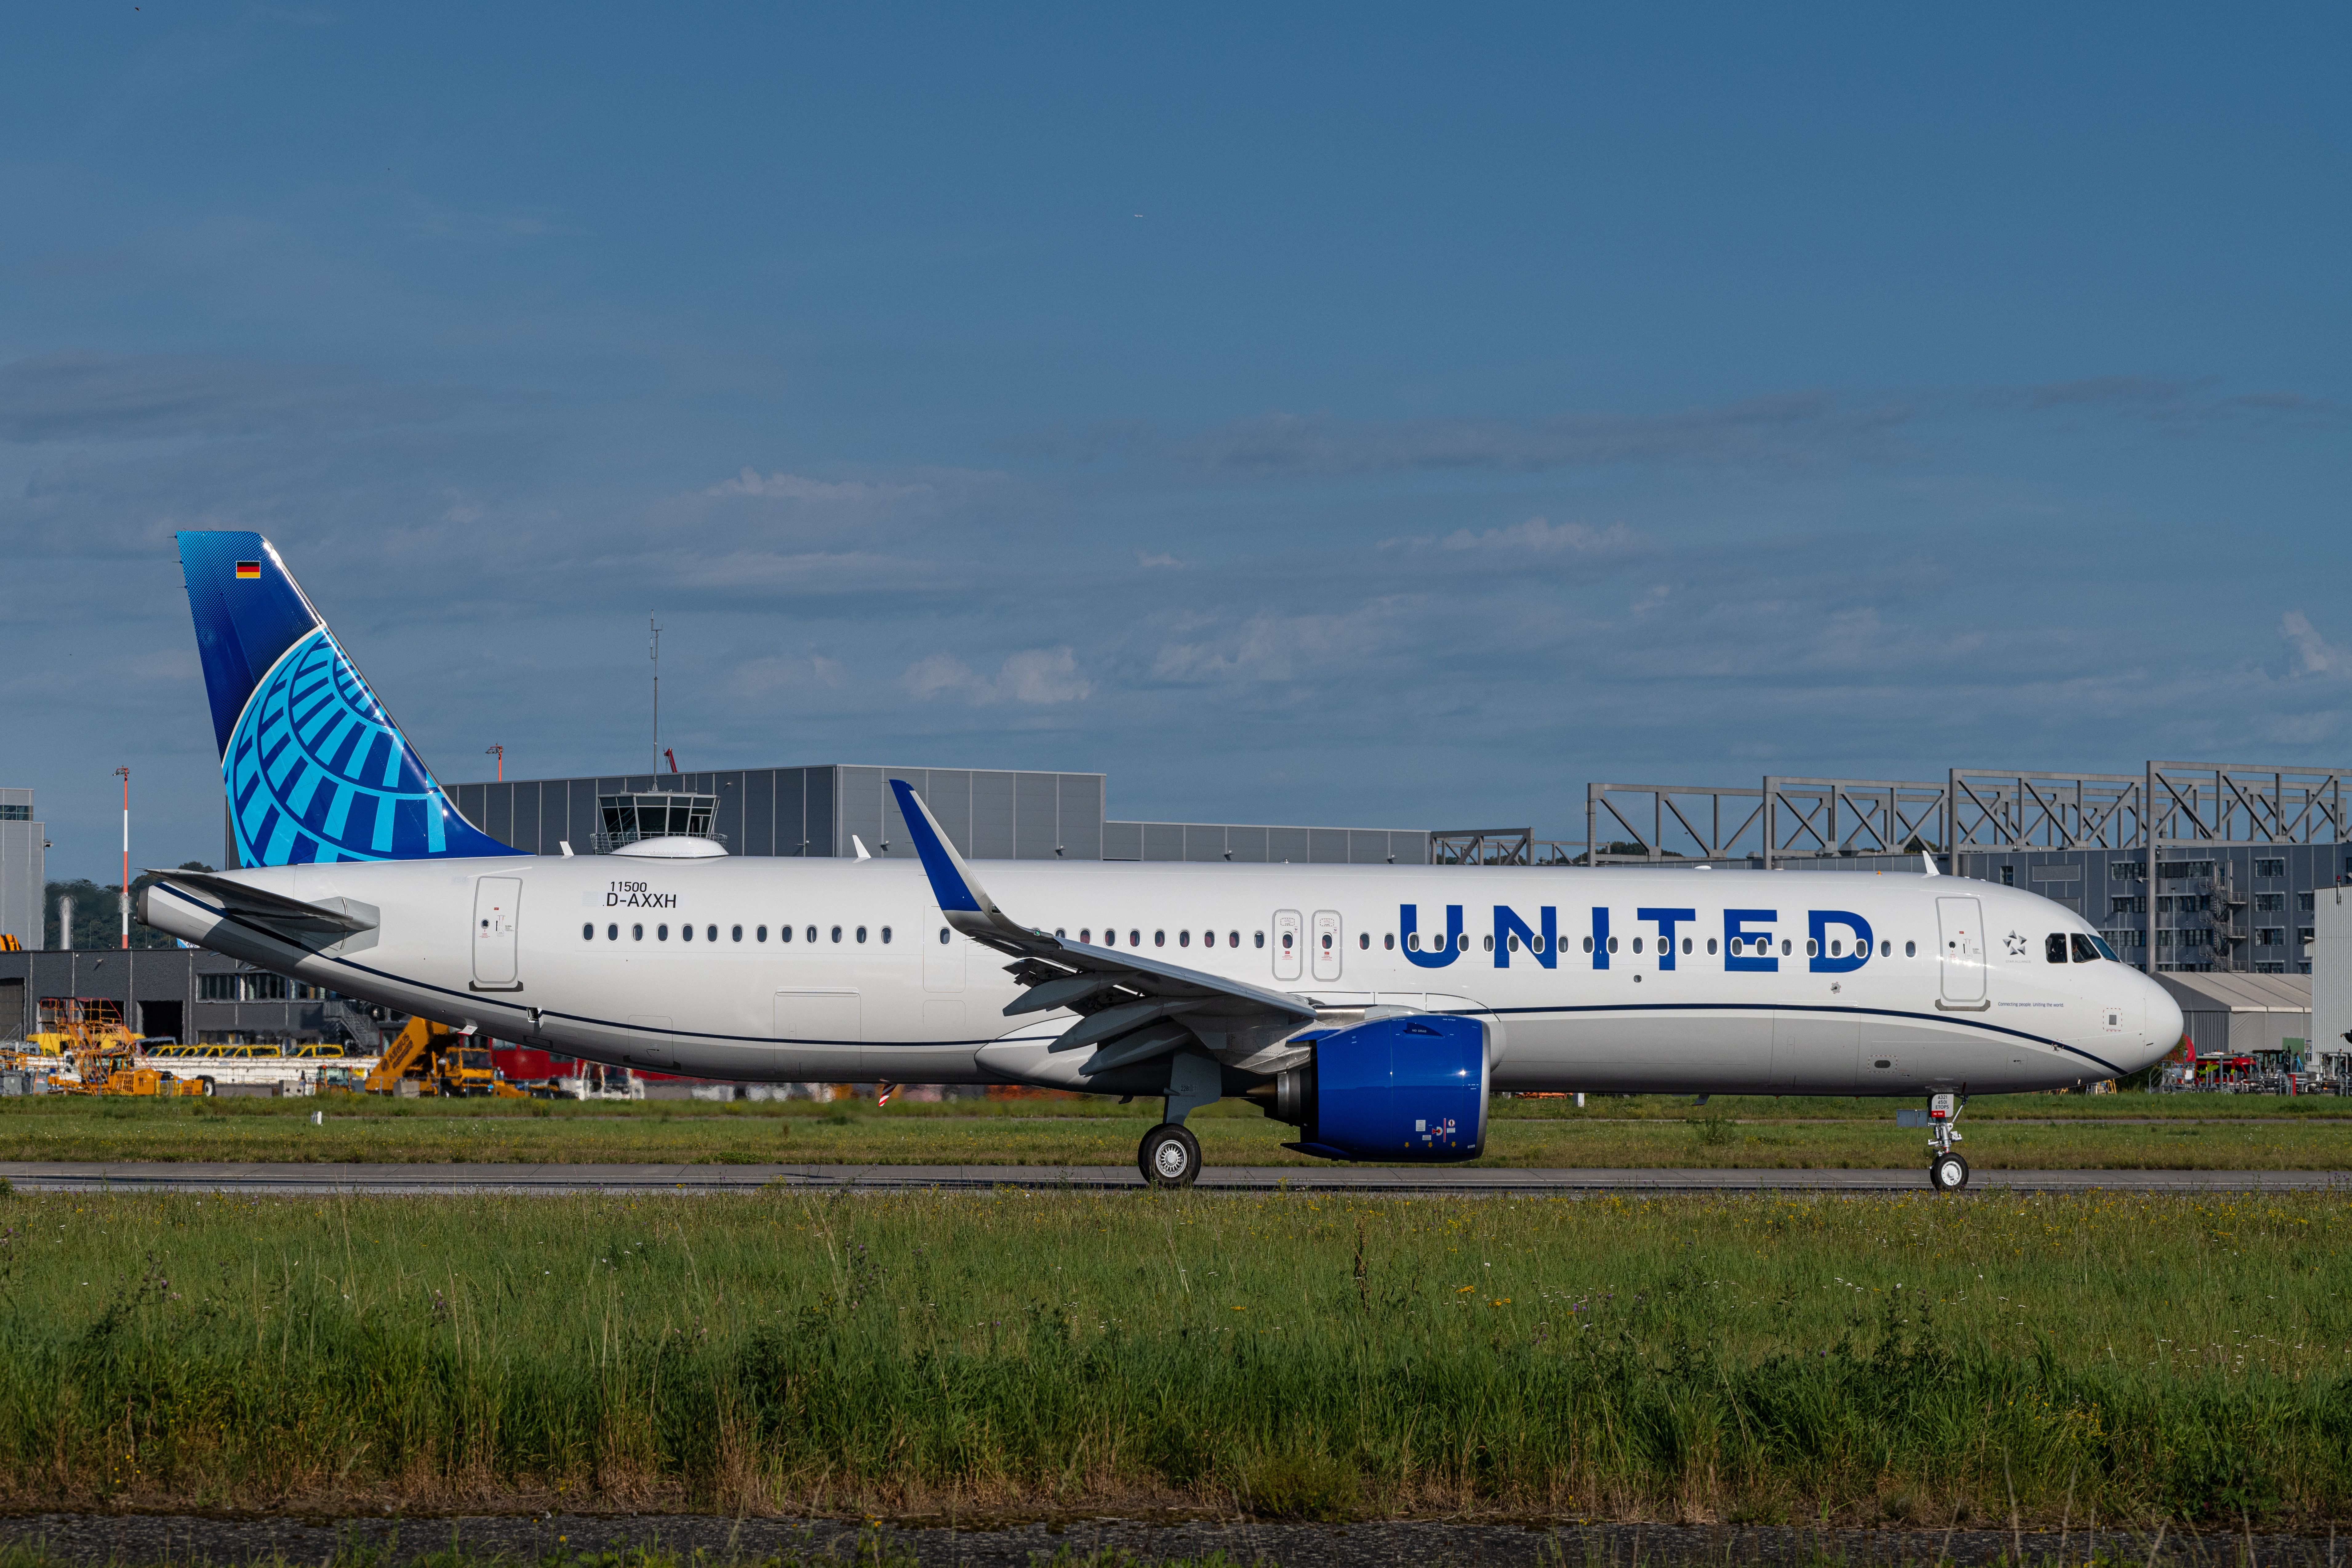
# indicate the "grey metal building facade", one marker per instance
pixel 989 814
pixel 193 996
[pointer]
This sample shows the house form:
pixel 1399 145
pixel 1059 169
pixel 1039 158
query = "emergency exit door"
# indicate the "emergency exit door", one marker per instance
pixel 1289 936
pixel 1324 953
pixel 498 903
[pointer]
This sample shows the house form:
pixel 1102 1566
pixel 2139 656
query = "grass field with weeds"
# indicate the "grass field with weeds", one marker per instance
pixel 1908 1361
pixel 2125 1131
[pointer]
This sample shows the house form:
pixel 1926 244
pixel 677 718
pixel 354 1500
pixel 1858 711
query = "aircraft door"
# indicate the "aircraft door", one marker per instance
pixel 943 959
pixel 1289 937
pixel 1325 949
pixel 498 901
pixel 1960 923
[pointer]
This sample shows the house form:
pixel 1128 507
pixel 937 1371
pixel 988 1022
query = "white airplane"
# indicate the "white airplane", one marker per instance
pixel 1376 1008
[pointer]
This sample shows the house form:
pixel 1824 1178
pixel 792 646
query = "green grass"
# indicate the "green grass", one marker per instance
pixel 1902 1360
pixel 2014 1133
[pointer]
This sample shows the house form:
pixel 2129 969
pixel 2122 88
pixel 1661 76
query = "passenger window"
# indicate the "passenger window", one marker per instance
pixel 810 933
pixel 1588 944
pixel 1363 939
pixel 588 932
pixel 1285 941
pixel 1637 945
pixel 1513 941
pixel 1233 939
pixel 1490 943
pixel 611 933
pixel 2083 951
pixel 2053 947
pixel 1389 942
pixel 1463 944
pixel 686 933
pixel 861 933
pixel 1184 939
pixel 1257 939
pixel 783 933
pixel 1327 941
pixel 636 933
pixel 1086 935
pixel 1686 944
pixel 661 933
pixel 1160 939
pixel 1613 943
pixel 837 933
pixel 760 935
pixel 1710 947
pixel 1413 942
pixel 1813 948
pixel 1784 947
pixel 1886 950
pixel 738 933
pixel 1910 949
pixel 943 936
pixel 886 935
pixel 712 933
pixel 1135 938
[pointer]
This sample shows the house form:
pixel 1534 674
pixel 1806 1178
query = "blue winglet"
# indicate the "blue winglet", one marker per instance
pixel 950 884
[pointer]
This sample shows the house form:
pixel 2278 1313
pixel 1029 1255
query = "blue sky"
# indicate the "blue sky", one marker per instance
pixel 1394 417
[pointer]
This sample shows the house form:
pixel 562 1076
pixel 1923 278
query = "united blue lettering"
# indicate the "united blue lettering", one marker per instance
pixel 1545 944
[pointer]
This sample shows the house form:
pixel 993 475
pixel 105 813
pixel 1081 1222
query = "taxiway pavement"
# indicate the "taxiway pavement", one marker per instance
pixel 1480 1181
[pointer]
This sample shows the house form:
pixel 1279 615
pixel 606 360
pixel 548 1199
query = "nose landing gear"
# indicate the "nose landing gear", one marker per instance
pixel 1947 1171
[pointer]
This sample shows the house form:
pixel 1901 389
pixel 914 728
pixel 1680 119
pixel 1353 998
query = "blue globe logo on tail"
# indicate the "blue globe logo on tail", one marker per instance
pixel 316 772
pixel 315 768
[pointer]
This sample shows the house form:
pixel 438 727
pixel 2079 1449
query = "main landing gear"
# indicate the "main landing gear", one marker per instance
pixel 1170 1157
pixel 1947 1171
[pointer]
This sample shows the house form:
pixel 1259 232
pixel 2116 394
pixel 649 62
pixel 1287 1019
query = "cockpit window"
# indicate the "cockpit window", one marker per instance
pixel 2090 949
pixel 2105 951
pixel 2055 947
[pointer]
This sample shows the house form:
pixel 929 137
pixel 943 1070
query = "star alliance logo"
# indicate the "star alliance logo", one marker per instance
pixel 2016 944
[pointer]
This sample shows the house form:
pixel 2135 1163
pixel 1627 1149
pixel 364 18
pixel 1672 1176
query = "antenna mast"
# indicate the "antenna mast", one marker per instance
pixel 656 656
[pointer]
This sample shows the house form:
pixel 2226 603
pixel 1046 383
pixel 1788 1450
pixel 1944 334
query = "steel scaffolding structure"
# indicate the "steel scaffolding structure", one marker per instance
pixel 2166 806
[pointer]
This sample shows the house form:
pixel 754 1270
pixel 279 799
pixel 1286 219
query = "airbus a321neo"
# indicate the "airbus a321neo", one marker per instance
pixel 1375 1008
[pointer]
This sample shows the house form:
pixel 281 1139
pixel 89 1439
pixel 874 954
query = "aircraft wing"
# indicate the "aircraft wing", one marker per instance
pixel 290 918
pixel 1131 1007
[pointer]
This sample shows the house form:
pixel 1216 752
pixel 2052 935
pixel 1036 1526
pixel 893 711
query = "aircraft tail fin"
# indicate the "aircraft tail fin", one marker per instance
pixel 315 768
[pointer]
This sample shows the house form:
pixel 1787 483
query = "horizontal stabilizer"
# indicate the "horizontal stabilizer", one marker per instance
pixel 276 911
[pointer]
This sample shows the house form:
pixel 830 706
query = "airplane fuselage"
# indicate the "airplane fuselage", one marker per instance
pixel 1605 980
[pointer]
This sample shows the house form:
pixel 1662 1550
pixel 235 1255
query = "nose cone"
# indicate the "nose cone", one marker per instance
pixel 2163 1023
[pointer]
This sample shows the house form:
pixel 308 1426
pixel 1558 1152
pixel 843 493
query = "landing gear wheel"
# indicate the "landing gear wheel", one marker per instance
pixel 1169 1156
pixel 1947 1172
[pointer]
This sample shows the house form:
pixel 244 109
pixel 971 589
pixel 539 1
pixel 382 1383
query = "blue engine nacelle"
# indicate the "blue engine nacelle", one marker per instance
pixel 1411 1088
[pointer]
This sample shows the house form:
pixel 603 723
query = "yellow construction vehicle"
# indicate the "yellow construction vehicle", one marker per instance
pixel 121 1071
pixel 436 1059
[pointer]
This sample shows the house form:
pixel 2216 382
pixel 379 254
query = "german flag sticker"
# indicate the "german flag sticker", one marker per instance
pixel 250 569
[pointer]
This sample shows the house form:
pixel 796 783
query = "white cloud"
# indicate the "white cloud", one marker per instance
pixel 792 487
pixel 1039 677
pixel 2314 654
pixel 1161 559
pixel 759 677
pixel 1281 647
pixel 1539 537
